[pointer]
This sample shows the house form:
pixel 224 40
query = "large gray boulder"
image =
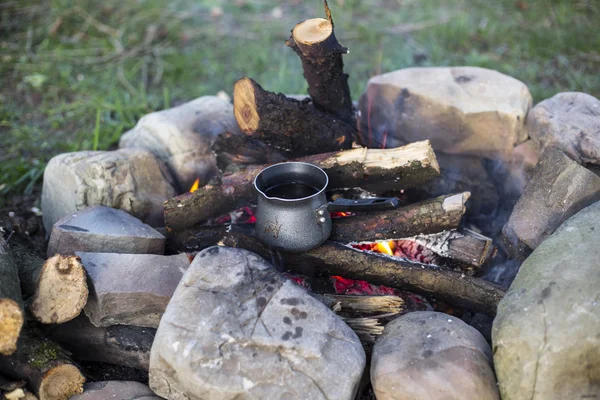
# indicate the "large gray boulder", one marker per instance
pixel 569 121
pixel 559 187
pixel 182 137
pixel 462 110
pixel 433 356
pixel 236 329
pixel 104 230
pixel 546 335
pixel 132 180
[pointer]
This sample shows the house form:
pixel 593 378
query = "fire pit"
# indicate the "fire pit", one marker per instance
pixel 185 294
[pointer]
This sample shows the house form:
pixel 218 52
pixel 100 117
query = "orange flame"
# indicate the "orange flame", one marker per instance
pixel 385 247
pixel 195 185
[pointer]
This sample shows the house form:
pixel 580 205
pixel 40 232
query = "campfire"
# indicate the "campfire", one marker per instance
pixel 375 265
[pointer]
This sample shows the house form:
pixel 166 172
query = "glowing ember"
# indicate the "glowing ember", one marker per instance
pixel 195 185
pixel 343 285
pixel 340 214
pixel 385 247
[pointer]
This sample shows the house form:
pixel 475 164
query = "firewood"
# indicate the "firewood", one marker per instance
pixel 430 216
pixel 45 366
pixel 292 126
pixel 362 304
pixel 11 303
pixel 315 43
pixel 232 148
pixel 56 289
pixel 468 247
pixel 119 344
pixel 378 170
pixel 333 258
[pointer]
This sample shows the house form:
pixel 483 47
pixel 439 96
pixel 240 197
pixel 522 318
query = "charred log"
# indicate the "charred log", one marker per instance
pixel 321 54
pixel 11 303
pixel 378 170
pixel 45 366
pixel 431 216
pixel 241 149
pixel 119 344
pixel 292 126
pixel 333 258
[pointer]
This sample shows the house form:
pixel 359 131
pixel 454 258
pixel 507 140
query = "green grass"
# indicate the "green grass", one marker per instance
pixel 76 74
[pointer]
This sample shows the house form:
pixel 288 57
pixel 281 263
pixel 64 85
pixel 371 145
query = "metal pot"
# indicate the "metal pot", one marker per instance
pixel 293 212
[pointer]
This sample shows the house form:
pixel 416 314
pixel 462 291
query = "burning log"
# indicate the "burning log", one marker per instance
pixel 293 126
pixel 241 149
pixel 315 43
pixel 11 304
pixel 56 288
pixel 333 258
pixel 430 216
pixel 119 344
pixel 47 369
pixel 378 170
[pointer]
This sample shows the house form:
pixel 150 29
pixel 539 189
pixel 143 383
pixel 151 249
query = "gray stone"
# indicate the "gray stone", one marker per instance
pixel 558 189
pixel 182 137
pixel 132 180
pixel 569 121
pixel 546 335
pixel 116 390
pixel 104 230
pixel 130 289
pixel 236 329
pixel 462 110
pixel 433 356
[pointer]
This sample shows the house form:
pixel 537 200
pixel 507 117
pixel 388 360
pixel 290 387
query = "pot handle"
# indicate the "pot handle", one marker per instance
pixel 371 204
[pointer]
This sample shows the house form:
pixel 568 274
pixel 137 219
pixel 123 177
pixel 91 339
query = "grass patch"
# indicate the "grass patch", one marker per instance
pixel 77 74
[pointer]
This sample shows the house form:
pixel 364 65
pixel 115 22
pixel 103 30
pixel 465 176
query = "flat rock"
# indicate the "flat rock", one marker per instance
pixel 433 356
pixel 557 190
pixel 104 230
pixel 569 121
pixel 130 289
pixel 546 335
pixel 132 180
pixel 116 390
pixel 182 137
pixel 236 329
pixel 462 110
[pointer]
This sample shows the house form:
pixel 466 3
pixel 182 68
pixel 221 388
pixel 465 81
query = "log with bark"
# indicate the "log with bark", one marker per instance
pixel 333 258
pixel 119 344
pixel 321 54
pixel 378 170
pixel 293 126
pixel 55 289
pixel 430 216
pixel 231 148
pixel 45 366
pixel 11 303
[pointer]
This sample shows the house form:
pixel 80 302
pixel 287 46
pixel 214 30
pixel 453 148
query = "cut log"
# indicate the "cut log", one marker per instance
pixel 121 345
pixel 430 216
pixel 58 287
pixel 315 43
pixel 292 126
pixel 231 148
pixel 11 303
pixel 378 170
pixel 333 258
pixel 341 303
pixel 46 367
